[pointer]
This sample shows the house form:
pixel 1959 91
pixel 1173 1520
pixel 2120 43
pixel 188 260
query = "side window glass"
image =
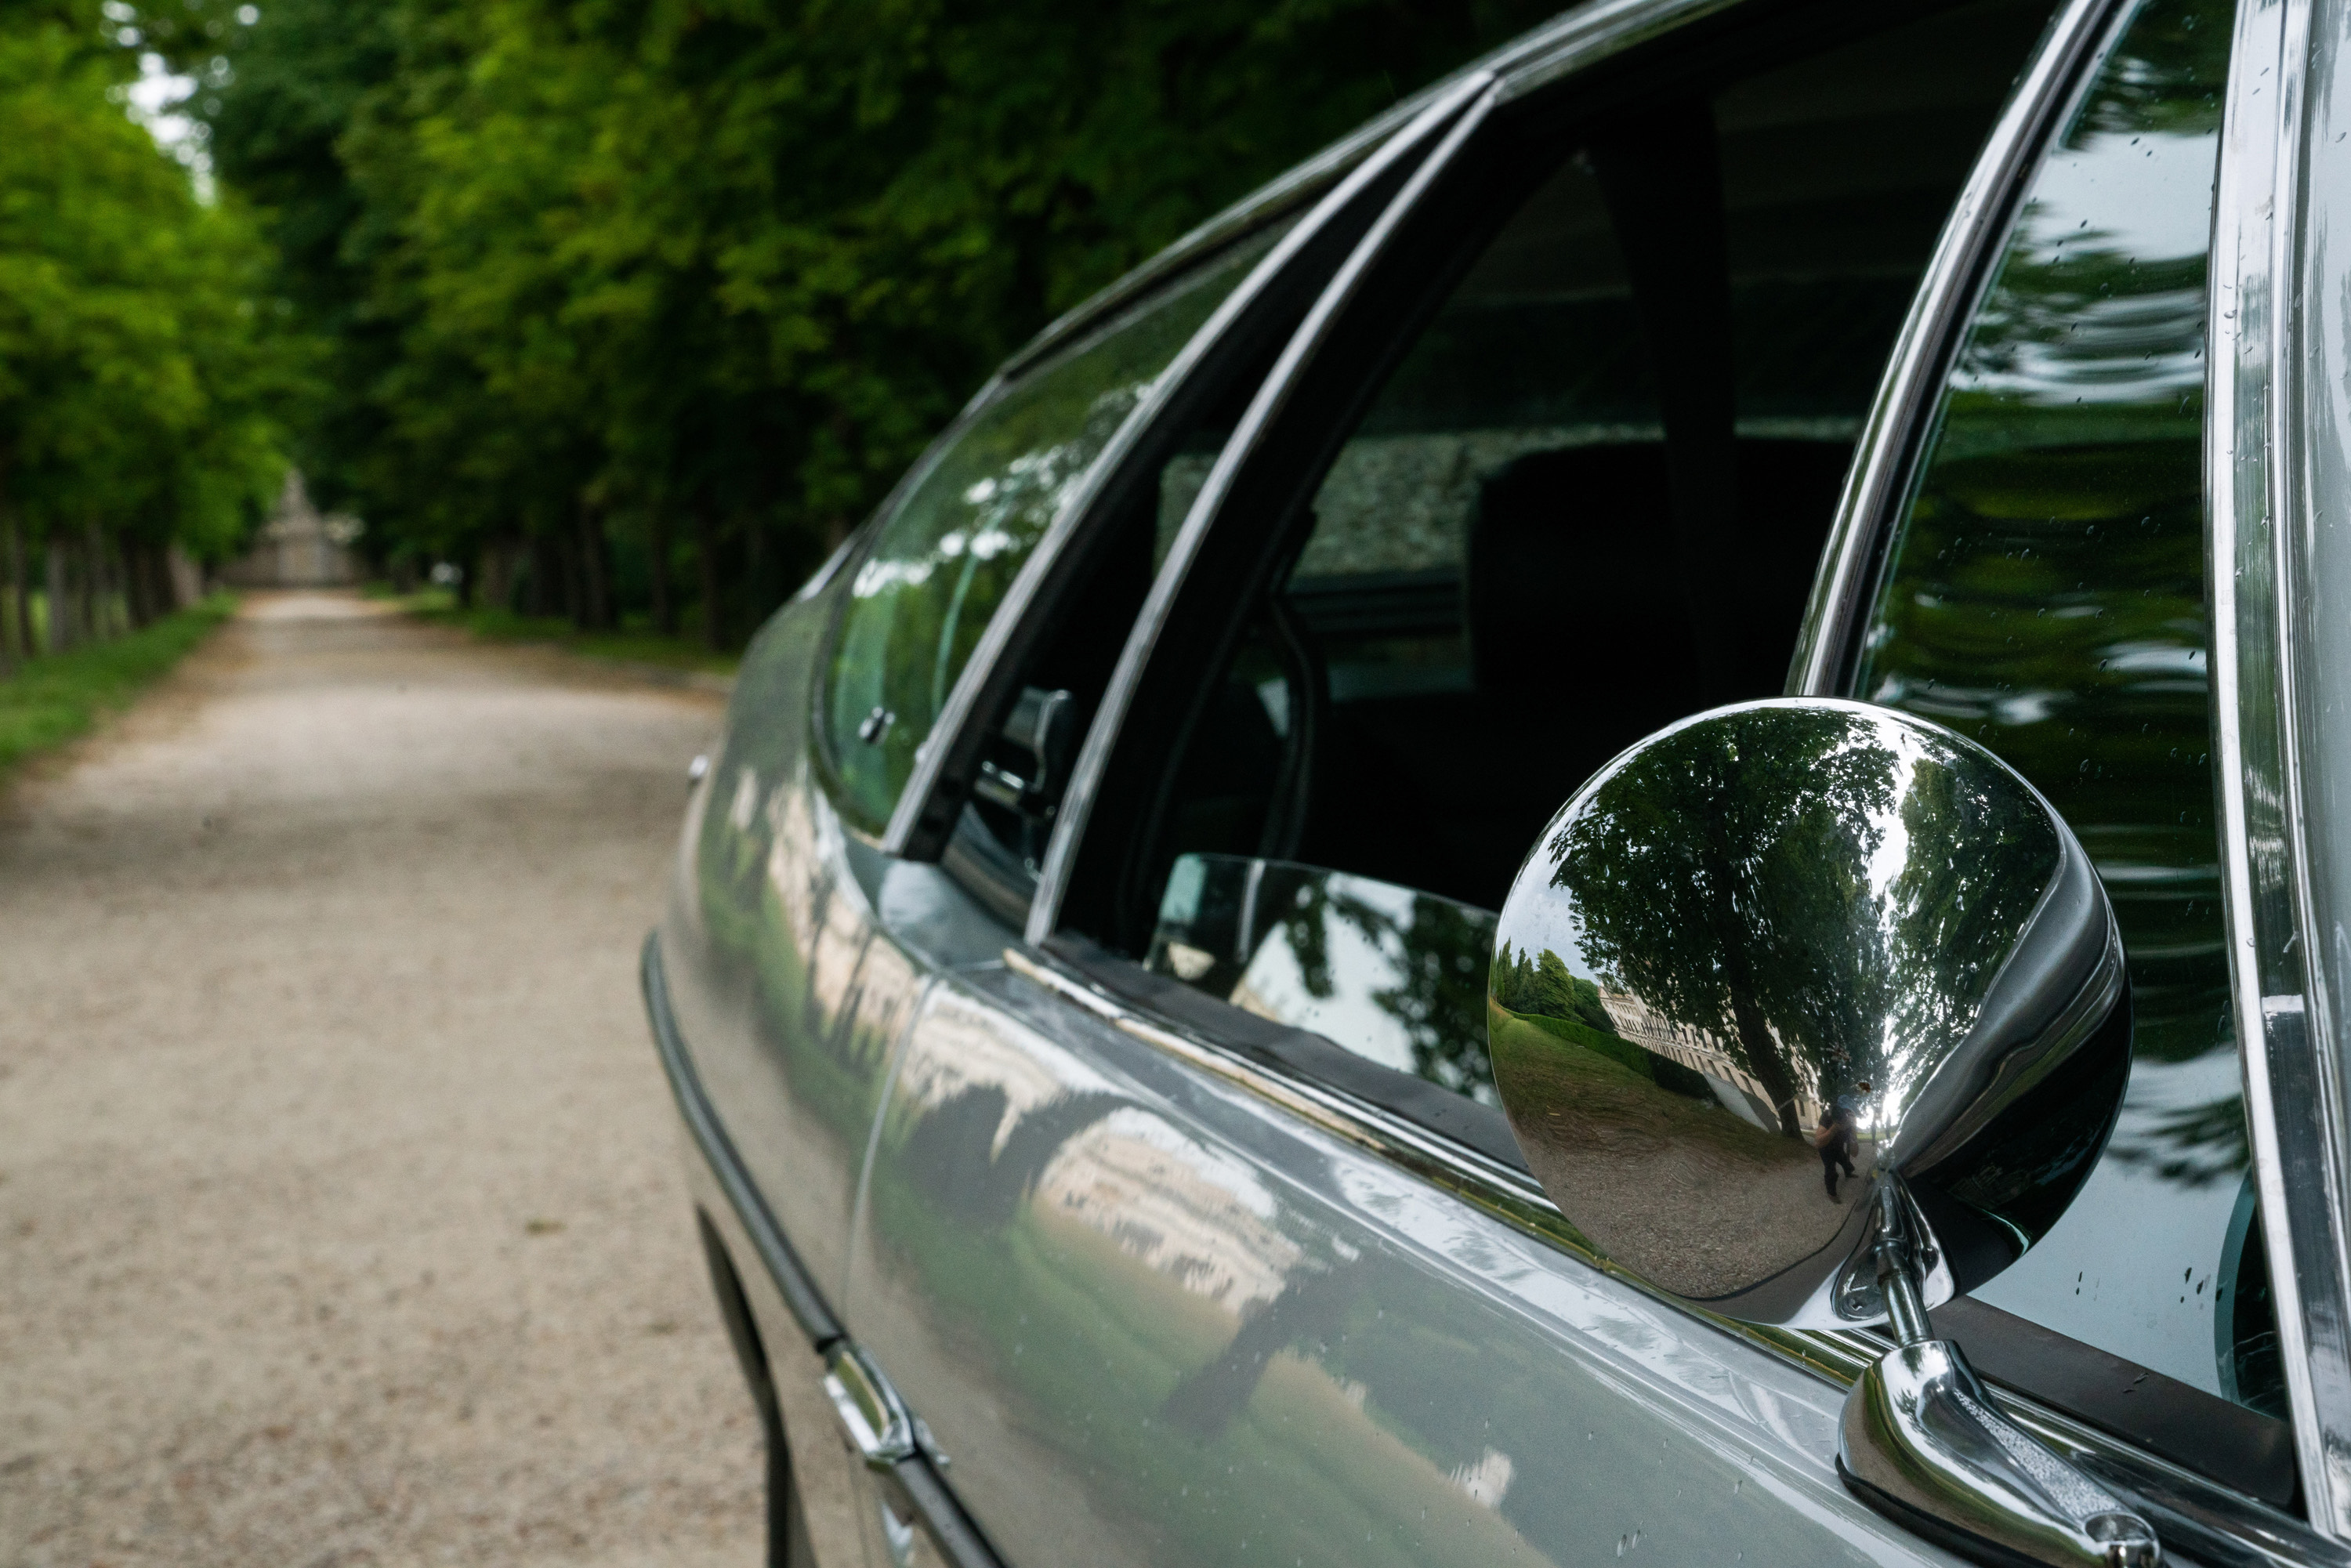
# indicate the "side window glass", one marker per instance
pixel 1488 601
pixel 941 563
pixel 2046 594
pixel 1396 975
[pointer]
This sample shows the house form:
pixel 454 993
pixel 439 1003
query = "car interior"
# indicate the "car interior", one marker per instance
pixel 1489 596
pixel 1589 500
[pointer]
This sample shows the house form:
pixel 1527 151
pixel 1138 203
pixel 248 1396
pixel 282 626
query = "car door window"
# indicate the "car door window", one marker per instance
pixel 1485 598
pixel 941 562
pixel 2045 593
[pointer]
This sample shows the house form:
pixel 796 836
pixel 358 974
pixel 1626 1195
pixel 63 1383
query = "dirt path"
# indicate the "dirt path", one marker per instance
pixel 341 1213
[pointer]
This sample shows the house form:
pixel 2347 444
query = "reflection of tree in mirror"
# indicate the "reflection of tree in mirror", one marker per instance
pixel 1718 882
pixel 1439 994
pixel 1541 985
pixel 1965 916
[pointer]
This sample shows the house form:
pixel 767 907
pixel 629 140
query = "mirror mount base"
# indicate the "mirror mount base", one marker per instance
pixel 1923 1442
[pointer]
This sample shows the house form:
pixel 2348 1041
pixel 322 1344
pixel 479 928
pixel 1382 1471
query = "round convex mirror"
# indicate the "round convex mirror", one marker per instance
pixel 1784 953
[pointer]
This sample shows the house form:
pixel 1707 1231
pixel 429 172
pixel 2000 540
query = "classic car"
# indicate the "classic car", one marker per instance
pixel 1608 830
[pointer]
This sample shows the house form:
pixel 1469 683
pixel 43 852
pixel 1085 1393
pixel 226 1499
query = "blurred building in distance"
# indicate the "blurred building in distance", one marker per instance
pixel 298 548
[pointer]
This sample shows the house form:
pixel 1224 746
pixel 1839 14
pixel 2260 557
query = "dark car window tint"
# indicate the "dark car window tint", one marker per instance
pixel 2045 595
pixel 1489 600
pixel 925 590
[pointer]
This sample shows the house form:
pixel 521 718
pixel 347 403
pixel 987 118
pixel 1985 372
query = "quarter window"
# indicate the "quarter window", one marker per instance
pixel 941 563
pixel 2045 593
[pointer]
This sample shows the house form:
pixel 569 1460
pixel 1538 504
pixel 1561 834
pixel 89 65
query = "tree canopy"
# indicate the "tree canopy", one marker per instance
pixel 143 363
pixel 628 297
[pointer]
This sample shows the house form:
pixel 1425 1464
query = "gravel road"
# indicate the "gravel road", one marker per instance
pixel 342 1218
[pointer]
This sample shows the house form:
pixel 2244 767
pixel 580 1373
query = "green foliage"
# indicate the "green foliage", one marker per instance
pixel 55 699
pixel 140 361
pixel 703 280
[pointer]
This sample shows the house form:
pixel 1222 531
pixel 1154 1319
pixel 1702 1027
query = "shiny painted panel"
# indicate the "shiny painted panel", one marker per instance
pixel 785 1000
pixel 1152 1319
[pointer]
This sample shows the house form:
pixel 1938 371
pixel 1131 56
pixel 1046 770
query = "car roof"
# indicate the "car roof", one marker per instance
pixel 1567 42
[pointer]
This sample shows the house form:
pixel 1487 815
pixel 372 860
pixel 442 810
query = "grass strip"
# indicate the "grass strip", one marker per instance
pixel 631 644
pixel 53 698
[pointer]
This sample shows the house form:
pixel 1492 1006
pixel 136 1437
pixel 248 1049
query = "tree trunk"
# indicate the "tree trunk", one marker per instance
pixel 657 543
pixel 494 575
pixel 58 601
pixel 183 579
pixel 755 571
pixel 593 611
pixel 97 585
pixel 16 633
pixel 138 610
pixel 544 591
pixel 706 549
pixel 566 543
pixel 1754 1031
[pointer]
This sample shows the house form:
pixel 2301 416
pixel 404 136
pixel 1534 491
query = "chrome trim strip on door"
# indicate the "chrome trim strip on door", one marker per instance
pixel 2292 1079
pixel 915 799
pixel 870 1412
pixel 2211 1523
pixel 1947 295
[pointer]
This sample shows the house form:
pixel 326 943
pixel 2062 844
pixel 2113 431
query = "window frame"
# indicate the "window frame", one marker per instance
pixel 2262 495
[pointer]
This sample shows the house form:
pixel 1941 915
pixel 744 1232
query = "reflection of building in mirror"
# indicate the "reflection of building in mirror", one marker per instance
pixel 1740 1092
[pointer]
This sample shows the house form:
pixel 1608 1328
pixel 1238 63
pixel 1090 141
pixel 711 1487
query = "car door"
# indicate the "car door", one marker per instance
pixel 1188 1231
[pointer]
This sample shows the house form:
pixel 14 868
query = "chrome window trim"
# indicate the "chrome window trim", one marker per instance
pixel 1957 276
pixel 2211 1523
pixel 2255 502
pixel 1093 754
pixel 915 799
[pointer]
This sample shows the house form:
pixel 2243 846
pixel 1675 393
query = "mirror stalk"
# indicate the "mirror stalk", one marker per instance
pixel 1897 1275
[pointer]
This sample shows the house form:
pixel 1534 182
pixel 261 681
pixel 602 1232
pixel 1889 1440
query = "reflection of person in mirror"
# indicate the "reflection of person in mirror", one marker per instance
pixel 1837 1142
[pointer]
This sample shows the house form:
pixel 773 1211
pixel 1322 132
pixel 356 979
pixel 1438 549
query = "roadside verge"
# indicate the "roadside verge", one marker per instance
pixel 663 661
pixel 52 699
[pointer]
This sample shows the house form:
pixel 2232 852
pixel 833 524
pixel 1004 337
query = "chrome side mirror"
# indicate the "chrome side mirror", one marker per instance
pixel 1812 1015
